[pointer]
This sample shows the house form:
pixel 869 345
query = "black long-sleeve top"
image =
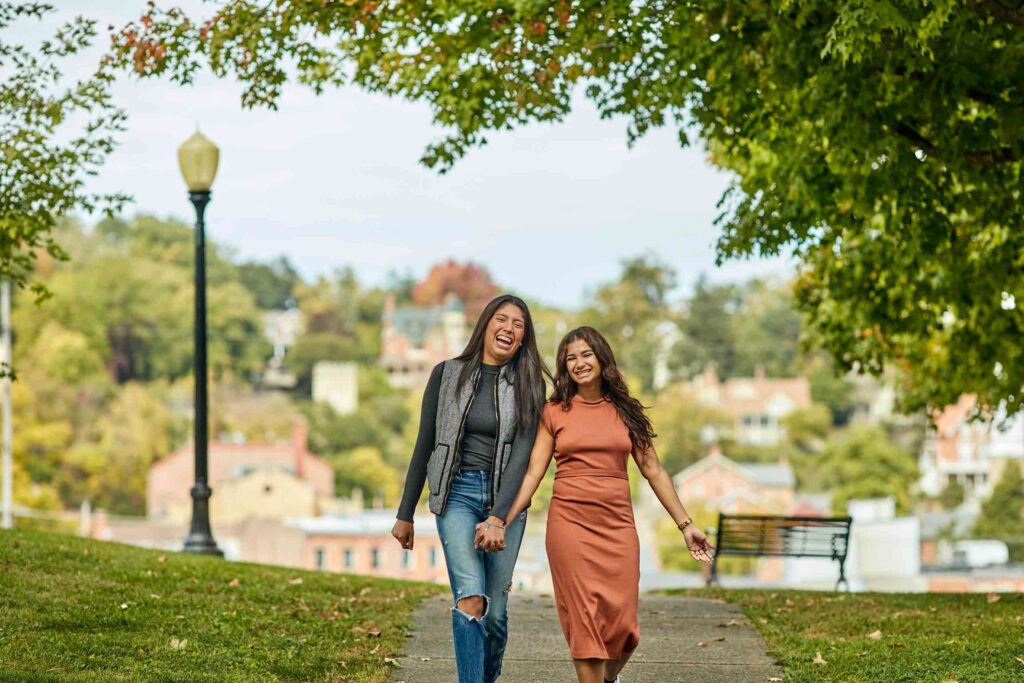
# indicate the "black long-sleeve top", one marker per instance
pixel 511 479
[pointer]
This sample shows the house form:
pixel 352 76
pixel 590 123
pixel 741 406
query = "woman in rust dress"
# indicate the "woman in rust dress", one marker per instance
pixel 591 426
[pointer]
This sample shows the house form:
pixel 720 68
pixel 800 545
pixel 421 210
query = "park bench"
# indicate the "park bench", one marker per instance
pixel 771 536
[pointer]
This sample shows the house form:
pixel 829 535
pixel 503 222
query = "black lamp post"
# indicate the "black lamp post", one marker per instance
pixel 198 159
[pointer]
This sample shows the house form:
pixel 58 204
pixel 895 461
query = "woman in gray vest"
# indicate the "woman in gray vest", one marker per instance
pixel 477 426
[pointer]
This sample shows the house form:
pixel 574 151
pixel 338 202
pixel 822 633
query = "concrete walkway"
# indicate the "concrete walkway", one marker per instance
pixel 681 639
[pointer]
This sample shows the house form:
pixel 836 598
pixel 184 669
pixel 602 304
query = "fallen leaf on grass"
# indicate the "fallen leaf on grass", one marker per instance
pixel 949 679
pixel 162 559
pixel 818 659
pixel 774 679
pixel 234 583
pixel 1020 659
pixel 875 635
pixel 295 582
pixel 178 644
pixel 368 629
pixel 391 660
pixel 992 597
pixel 124 605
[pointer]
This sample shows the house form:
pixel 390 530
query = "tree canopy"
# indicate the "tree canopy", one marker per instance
pixel 54 134
pixel 880 142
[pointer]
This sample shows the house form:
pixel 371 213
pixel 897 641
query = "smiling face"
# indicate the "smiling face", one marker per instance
pixel 504 334
pixel 581 364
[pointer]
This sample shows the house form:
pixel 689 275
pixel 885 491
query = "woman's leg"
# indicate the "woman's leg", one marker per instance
pixel 457 529
pixel 612 667
pixel 589 670
pixel 498 567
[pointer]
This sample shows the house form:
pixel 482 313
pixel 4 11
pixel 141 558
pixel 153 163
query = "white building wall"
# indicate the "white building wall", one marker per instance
pixel 337 384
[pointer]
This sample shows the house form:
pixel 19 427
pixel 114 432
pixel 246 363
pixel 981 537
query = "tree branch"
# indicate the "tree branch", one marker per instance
pixel 981 158
pixel 921 141
pixel 1001 11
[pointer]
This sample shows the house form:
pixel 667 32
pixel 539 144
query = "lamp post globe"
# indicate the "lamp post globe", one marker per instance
pixel 198 158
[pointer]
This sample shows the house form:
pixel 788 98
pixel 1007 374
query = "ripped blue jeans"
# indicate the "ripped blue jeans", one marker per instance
pixel 479 643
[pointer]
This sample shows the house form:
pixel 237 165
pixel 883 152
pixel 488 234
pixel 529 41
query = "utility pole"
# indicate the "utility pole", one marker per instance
pixel 5 360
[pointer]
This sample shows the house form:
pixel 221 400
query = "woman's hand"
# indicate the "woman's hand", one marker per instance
pixel 490 535
pixel 698 544
pixel 404 533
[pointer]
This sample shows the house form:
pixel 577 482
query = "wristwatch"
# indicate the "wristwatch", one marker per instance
pixel 685 523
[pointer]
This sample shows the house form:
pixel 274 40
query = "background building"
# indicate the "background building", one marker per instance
pixel 261 480
pixel 755 404
pixel 415 339
pixel 337 384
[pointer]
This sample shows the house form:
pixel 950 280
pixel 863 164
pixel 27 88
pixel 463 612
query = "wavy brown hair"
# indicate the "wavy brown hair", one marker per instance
pixel 613 386
pixel 526 368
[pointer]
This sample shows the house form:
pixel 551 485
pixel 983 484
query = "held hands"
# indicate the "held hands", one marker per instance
pixel 490 535
pixel 698 544
pixel 404 533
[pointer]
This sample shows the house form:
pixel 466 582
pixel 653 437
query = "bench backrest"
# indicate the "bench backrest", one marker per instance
pixel 755 535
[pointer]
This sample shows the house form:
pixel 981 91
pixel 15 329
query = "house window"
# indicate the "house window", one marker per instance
pixel 764 420
pixel 748 420
pixel 433 556
pixel 375 558
pixel 319 558
pixel 349 558
pixel 408 561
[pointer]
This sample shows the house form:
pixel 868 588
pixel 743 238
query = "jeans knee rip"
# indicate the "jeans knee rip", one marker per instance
pixel 467 615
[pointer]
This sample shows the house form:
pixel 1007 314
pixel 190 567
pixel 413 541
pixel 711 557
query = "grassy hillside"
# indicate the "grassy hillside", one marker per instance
pixel 79 610
pixel 890 637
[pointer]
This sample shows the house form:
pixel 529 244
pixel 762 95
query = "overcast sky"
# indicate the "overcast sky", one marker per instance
pixel 551 210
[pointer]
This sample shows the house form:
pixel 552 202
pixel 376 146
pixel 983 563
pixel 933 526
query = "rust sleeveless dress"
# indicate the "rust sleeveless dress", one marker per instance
pixel 592 546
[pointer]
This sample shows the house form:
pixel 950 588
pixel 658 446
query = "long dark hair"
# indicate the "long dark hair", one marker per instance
pixel 641 433
pixel 526 370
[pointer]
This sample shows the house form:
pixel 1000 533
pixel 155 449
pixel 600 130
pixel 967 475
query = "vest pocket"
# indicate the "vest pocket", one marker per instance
pixel 436 466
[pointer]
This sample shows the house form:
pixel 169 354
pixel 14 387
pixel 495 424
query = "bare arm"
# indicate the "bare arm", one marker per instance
pixel 661 483
pixel 540 458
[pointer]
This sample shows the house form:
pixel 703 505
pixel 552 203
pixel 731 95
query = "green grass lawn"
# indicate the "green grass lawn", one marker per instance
pixel 888 638
pixel 78 610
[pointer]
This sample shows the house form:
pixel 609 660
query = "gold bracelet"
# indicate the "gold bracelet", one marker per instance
pixel 488 525
pixel 685 523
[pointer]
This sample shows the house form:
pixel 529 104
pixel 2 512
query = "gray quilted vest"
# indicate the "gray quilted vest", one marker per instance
pixel 452 408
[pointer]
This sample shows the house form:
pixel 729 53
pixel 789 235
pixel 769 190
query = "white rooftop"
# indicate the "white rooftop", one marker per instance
pixel 365 523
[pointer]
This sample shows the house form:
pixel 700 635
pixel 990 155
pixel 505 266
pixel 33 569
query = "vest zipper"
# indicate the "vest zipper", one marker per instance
pixel 456 460
pixel 495 472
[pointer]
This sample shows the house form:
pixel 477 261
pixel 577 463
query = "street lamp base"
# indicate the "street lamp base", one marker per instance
pixel 202 545
pixel 200 536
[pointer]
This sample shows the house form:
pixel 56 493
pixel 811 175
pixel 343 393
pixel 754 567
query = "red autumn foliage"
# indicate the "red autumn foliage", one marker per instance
pixel 469 282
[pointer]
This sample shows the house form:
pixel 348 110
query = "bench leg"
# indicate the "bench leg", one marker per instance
pixel 842 576
pixel 713 576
